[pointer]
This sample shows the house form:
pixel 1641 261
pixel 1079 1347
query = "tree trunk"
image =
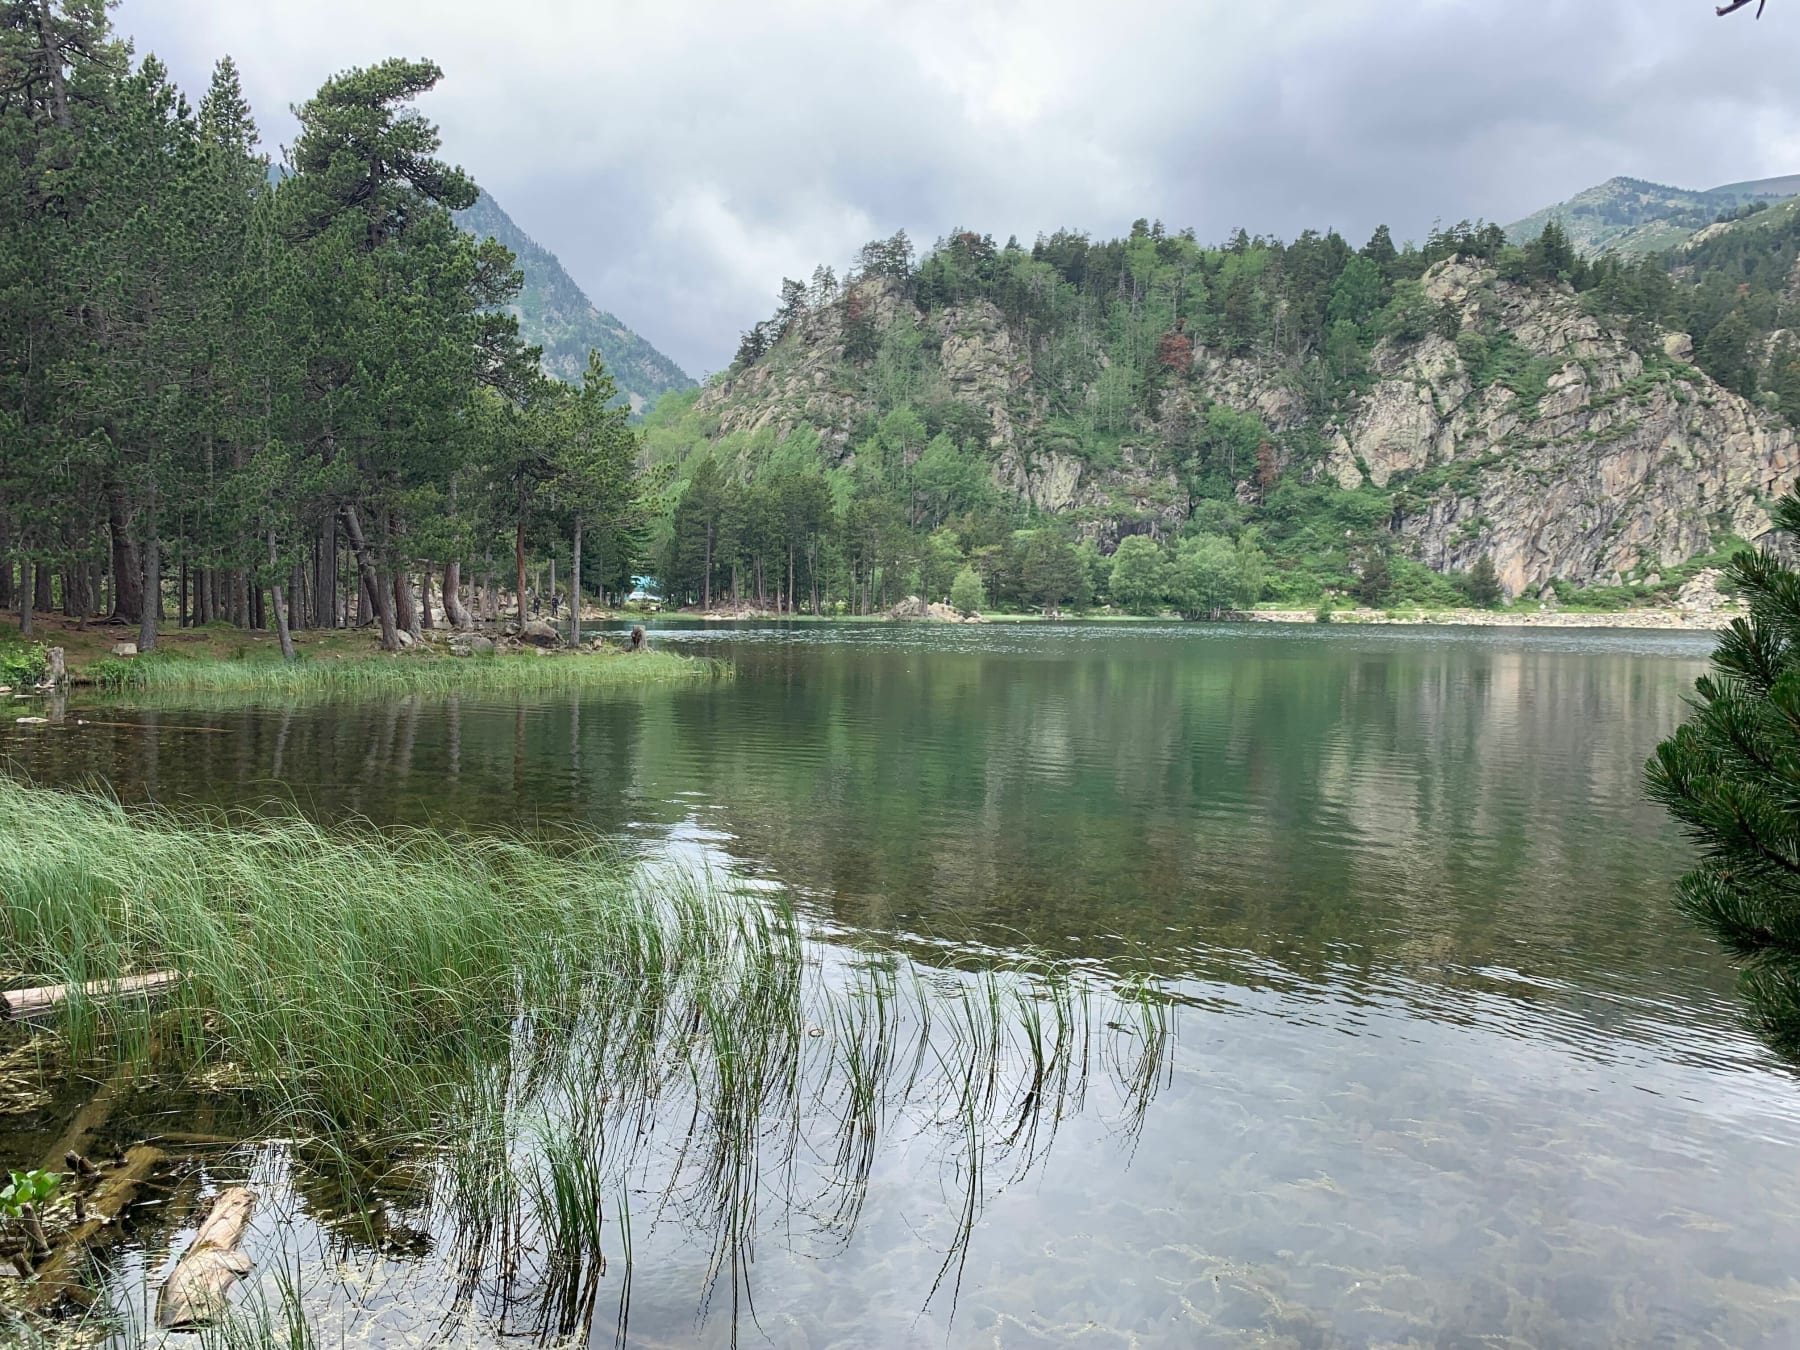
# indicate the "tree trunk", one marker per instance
pixel 128 588
pixel 195 1294
pixel 425 620
pixel 406 614
pixel 297 594
pixel 365 566
pixel 25 598
pixel 706 585
pixel 575 591
pixel 281 614
pixel 151 608
pixel 519 558
pixel 44 592
pixel 454 611
pixel 325 585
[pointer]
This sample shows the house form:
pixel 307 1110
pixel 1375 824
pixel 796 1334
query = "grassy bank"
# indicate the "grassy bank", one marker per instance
pixel 349 971
pixel 408 673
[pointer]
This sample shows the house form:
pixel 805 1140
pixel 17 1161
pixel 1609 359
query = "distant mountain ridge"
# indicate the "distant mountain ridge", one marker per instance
pixel 1634 216
pixel 557 315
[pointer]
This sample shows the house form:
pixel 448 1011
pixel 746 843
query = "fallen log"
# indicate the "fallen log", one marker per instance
pixel 19 1004
pixel 194 1294
pixel 58 1279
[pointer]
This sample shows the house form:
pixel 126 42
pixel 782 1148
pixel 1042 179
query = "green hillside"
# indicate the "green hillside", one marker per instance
pixel 1635 217
pixel 555 314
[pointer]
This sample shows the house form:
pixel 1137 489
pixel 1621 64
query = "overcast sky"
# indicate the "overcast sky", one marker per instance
pixel 681 156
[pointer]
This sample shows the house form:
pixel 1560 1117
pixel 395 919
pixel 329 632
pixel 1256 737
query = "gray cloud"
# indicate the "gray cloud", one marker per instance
pixel 681 156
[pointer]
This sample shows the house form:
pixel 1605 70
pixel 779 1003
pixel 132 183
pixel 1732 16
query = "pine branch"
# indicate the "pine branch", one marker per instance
pixel 1736 5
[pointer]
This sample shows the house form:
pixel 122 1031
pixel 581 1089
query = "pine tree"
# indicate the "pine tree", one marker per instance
pixel 1731 776
pixel 1482 583
pixel 1375 581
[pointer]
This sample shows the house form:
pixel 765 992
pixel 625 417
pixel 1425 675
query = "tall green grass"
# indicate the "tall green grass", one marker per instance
pixel 404 674
pixel 547 1031
pixel 352 969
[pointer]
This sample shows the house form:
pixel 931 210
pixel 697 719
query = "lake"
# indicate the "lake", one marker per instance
pixel 1433 1060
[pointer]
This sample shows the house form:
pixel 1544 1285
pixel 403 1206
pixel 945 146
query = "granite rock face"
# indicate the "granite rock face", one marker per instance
pixel 1578 457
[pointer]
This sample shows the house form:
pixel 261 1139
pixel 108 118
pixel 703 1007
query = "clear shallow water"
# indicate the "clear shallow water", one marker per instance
pixel 1444 1067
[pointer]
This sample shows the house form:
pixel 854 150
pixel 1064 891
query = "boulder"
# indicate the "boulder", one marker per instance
pixel 406 638
pixel 540 633
pixel 1702 594
pixel 471 644
pixel 910 608
pixel 124 649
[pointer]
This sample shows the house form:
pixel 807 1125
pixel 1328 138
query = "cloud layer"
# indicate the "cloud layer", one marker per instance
pixel 681 156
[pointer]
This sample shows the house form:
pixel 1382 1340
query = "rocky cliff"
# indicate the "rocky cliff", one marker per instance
pixel 1520 426
pixel 1618 467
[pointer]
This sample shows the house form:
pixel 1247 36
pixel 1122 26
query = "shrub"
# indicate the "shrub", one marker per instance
pixel 966 595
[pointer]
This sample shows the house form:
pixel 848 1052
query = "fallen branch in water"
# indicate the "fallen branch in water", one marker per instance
pixel 58 1280
pixel 24 1003
pixel 194 1294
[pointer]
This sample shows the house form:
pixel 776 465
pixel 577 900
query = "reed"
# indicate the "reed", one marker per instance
pixel 354 971
pixel 542 1028
pixel 404 674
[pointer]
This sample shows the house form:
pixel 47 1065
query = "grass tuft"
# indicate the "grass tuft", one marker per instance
pixel 405 674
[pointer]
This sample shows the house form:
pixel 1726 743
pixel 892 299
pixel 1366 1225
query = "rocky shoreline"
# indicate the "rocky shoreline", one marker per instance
pixel 1698 621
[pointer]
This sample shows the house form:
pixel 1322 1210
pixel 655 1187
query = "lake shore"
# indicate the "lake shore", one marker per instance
pixel 1684 620
pixel 1698 621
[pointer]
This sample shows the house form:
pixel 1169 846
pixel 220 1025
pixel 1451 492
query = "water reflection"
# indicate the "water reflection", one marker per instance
pixel 1441 1065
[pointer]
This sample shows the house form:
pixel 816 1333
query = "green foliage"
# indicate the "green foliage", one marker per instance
pixel 22 664
pixel 1206 579
pixel 31 1187
pixel 1140 580
pixel 966 593
pixel 1481 583
pixel 1731 776
pixel 1374 579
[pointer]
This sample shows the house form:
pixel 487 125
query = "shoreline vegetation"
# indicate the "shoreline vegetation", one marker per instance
pixel 551 1005
pixel 1521 616
pixel 219 658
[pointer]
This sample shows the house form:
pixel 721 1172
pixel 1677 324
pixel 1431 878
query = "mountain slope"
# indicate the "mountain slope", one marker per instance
pixel 1326 404
pixel 1632 216
pixel 555 314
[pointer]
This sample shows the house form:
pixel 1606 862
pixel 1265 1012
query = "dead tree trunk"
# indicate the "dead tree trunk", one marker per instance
pixel 194 1294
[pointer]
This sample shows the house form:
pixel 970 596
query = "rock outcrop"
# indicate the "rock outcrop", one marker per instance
pixel 1523 428
pixel 1607 470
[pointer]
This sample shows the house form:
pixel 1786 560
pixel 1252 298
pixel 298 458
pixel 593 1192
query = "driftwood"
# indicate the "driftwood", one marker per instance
pixel 58 1279
pixel 18 1004
pixel 194 1294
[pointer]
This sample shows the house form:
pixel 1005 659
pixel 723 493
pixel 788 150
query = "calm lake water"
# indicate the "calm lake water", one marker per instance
pixel 1442 1066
